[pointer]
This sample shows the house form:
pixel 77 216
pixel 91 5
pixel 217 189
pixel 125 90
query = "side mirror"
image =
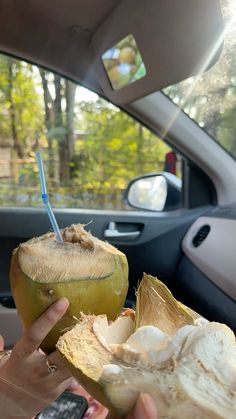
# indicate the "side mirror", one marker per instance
pixel 155 192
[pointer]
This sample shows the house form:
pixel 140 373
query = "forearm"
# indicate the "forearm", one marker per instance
pixel 18 417
pixel 10 407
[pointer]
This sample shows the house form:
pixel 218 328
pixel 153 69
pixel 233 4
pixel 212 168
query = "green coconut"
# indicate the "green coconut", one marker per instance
pixel 187 364
pixel 91 273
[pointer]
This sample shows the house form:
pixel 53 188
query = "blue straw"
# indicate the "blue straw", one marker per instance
pixel 45 199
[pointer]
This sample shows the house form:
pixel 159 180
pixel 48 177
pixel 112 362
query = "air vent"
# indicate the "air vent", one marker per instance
pixel 201 235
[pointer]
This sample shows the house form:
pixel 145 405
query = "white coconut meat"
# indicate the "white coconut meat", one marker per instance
pixel 114 333
pixel 44 259
pixel 189 375
pixel 192 376
pixel 87 346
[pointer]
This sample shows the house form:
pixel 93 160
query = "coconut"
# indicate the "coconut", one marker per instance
pixel 92 274
pixel 186 363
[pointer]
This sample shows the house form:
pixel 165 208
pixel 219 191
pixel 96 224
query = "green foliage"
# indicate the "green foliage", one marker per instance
pixel 114 148
pixel 27 103
pixel 109 148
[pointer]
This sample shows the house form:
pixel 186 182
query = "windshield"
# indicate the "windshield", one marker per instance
pixel 210 99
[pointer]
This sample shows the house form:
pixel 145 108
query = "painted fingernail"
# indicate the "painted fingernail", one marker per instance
pixel 145 407
pixel 62 304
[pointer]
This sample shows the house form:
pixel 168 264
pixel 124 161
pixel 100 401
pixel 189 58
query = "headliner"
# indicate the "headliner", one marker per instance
pixel 54 31
pixel 63 36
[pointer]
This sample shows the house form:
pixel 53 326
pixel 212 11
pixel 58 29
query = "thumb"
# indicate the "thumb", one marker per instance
pixel 145 408
pixel 1 343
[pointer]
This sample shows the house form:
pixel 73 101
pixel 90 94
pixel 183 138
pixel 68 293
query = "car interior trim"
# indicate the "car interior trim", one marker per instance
pixel 215 256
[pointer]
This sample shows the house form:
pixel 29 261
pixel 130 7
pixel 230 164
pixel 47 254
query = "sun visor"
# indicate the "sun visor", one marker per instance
pixel 144 46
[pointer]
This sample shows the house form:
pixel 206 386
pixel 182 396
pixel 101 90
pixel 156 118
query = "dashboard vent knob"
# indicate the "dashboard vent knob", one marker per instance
pixel 201 235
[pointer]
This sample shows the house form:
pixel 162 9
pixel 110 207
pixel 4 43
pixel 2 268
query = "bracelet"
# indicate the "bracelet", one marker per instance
pixel 4 353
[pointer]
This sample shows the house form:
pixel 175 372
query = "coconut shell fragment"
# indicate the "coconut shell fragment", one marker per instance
pixel 156 306
pixel 186 363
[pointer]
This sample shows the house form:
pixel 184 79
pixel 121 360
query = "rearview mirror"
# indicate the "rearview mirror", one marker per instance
pixel 155 192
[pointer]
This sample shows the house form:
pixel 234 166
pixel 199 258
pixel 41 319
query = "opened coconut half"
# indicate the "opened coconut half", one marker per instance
pixel 92 274
pixel 187 364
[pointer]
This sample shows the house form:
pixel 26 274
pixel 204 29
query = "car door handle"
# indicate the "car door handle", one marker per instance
pixel 112 232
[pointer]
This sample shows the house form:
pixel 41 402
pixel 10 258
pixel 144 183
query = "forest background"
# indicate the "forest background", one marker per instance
pixel 91 149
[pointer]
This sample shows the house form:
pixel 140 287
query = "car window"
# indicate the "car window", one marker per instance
pixel 91 149
pixel 210 98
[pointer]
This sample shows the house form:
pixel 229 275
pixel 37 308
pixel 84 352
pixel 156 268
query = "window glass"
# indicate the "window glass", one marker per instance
pixel 91 149
pixel 210 98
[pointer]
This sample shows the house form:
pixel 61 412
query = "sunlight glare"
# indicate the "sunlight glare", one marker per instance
pixel 85 95
pixel 231 10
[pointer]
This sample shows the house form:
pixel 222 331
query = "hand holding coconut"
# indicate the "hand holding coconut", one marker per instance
pixel 29 380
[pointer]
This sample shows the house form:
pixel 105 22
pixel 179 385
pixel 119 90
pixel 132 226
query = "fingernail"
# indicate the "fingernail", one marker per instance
pixel 145 407
pixel 62 304
pixel 74 385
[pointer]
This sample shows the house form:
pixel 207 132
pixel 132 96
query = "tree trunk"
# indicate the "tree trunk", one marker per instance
pixel 64 172
pixel 49 120
pixel 12 110
pixel 70 105
pixel 140 149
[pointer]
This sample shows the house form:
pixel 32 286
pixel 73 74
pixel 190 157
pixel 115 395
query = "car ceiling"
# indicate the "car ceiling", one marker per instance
pixel 56 32
pixel 61 35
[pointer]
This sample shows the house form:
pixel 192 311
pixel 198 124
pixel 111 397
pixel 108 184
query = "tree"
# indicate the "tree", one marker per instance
pixel 114 147
pixel 48 119
pixel 20 106
pixel 11 66
pixel 59 123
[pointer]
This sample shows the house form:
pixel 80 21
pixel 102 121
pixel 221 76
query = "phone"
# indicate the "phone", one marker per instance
pixel 66 406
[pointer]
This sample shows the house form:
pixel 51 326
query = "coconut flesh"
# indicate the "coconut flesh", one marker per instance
pixel 92 274
pixel 186 363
